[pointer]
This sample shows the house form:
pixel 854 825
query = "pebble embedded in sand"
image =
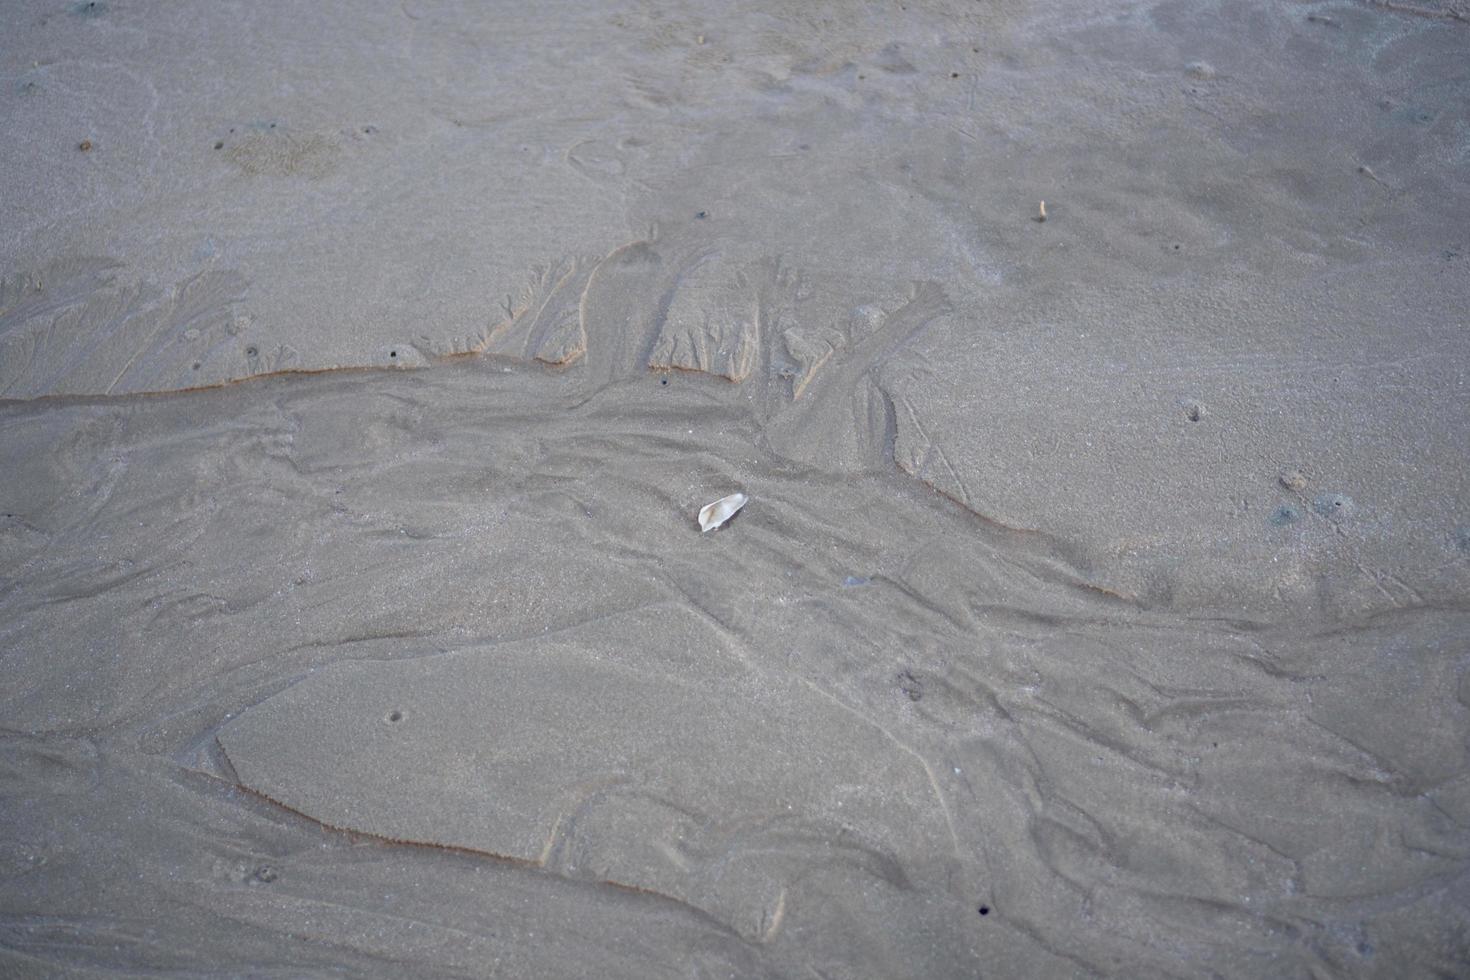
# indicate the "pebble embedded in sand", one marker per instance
pixel 1202 70
pixel 1293 479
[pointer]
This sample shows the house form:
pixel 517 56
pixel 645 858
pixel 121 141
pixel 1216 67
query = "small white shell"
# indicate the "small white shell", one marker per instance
pixel 713 515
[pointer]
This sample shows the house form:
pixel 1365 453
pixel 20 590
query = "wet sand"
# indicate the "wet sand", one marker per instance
pixel 1101 603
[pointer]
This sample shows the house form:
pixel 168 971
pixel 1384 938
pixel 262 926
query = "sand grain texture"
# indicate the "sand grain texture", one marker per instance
pixel 1103 612
pixel 721 788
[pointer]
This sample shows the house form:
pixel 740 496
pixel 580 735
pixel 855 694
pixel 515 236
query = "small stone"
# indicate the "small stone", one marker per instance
pixel 85 146
pixel 1293 480
pixel 1202 70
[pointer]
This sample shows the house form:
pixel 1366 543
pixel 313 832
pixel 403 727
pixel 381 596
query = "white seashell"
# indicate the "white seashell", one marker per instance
pixel 713 515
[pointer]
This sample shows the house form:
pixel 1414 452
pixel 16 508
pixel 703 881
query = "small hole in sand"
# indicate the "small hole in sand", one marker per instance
pixel 219 144
pixel 251 351
pixel 1194 413
pixel 197 365
pixel 392 353
pixel 663 381
pixel 395 716
pixel 984 910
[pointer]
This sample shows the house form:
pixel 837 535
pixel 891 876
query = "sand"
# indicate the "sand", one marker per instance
pixel 1102 599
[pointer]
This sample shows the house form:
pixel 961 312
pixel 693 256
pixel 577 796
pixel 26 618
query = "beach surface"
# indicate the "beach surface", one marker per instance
pixel 1101 606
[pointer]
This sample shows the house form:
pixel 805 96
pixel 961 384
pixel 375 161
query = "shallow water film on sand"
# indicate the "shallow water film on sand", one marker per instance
pixel 1098 600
